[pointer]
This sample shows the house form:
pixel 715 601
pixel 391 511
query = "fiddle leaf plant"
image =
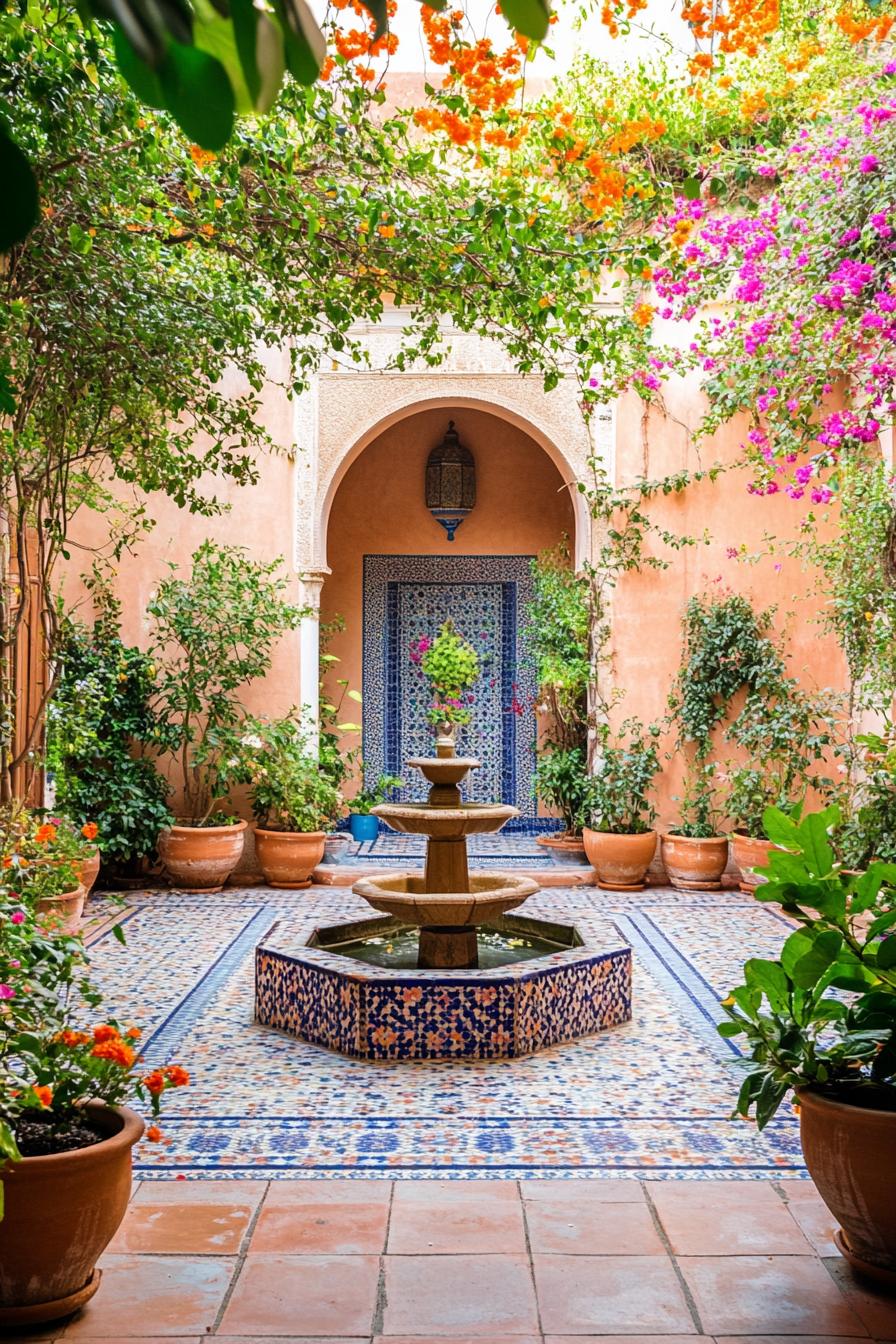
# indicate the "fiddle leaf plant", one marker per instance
pixel 823 1014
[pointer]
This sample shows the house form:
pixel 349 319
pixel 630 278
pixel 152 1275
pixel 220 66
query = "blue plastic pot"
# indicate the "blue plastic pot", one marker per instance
pixel 363 827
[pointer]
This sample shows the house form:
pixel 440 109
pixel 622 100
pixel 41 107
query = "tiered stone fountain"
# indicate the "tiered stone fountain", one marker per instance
pixel 445 970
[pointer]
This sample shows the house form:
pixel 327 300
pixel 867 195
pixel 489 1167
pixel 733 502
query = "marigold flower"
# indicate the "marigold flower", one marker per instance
pixel 90 830
pixel 133 1033
pixel 154 1082
pixel 45 833
pixel 154 1134
pixel 106 1032
pixel 117 1052
pixel 44 1095
pixel 177 1076
pixel 73 1038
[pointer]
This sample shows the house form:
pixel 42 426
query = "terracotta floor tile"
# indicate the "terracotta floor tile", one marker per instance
pixel 326 1295
pixel 875 1309
pixel 459 1295
pixel 791 1339
pixel 437 1194
pixel 767 1294
pixel 603 1294
pixel 250 1193
pixel 321 1229
pixel 726 1218
pixel 298 1339
pixel 815 1220
pixel 469 1220
pixel 171 1295
pixel 591 1228
pixel 601 1191
pixel 328 1192
pixel 637 1339
pixel 191 1229
pixel 455 1339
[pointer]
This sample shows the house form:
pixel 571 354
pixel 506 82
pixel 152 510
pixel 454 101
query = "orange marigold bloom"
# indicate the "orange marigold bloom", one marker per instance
pixel 90 830
pixel 133 1033
pixel 44 1095
pixel 45 833
pixel 117 1052
pixel 153 1134
pixel 73 1038
pixel 154 1082
pixel 176 1076
pixel 106 1032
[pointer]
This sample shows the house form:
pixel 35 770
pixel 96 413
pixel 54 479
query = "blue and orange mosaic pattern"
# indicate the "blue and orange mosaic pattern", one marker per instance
pixel 651 1097
pixel 371 1013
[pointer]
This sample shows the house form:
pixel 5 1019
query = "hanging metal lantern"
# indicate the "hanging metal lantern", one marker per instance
pixel 450 482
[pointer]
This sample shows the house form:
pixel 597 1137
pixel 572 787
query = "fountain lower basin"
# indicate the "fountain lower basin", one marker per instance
pixel 565 984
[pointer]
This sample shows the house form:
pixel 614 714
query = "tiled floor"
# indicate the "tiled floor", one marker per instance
pixel 508 1262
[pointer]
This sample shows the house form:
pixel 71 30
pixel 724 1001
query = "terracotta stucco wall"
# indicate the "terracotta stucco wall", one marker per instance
pixel 522 507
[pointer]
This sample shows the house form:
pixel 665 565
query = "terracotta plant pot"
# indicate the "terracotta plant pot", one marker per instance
pixel 851 1155
pixel 60 1214
pixel 695 864
pixel 288 858
pixel 64 912
pixel 201 858
pixel 750 852
pixel 620 861
pixel 90 871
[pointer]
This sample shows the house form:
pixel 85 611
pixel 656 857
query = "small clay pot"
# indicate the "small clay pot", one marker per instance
pixel 89 871
pixel 60 1214
pixel 288 858
pixel 695 864
pixel 620 861
pixel 851 1155
pixel 63 913
pixel 749 852
pixel 201 858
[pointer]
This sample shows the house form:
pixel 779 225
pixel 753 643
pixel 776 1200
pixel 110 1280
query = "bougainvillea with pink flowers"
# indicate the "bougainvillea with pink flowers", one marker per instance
pixel 805 339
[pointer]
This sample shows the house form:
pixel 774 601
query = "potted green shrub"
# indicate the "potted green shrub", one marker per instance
pixel 451 666
pixel 213 634
pixel 695 851
pixel 820 1025
pixel 362 823
pixel 558 636
pixel 620 842
pixel 66 1132
pixel 294 802
pixel 100 726
pixel 45 859
pixel 869 824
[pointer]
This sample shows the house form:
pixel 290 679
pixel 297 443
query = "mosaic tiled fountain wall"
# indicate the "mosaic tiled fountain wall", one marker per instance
pixel 406 596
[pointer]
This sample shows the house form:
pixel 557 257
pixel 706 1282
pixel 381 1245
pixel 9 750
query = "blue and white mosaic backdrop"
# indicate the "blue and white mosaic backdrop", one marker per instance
pixel 406 596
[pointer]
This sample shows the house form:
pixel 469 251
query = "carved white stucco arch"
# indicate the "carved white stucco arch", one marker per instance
pixel 550 420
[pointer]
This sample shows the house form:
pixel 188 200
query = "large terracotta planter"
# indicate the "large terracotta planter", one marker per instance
pixel 851 1155
pixel 748 853
pixel 695 864
pixel 201 858
pixel 620 861
pixel 288 858
pixel 63 913
pixel 60 1214
pixel 90 871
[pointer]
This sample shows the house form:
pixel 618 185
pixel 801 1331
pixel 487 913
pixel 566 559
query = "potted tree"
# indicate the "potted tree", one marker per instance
pixel 293 801
pixel 820 1024
pixel 695 853
pixel 361 821
pixel 451 666
pixel 213 634
pixel 558 634
pixel 66 1132
pixel 620 842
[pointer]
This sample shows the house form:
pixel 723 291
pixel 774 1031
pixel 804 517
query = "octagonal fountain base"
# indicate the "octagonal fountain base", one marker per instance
pixel 539 983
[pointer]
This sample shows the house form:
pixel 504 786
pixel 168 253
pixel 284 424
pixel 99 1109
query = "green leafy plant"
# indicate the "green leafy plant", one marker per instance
pixel 42 856
pixel 287 788
pixel 365 800
pixel 451 666
pixel 700 814
pixel 561 781
pixel 869 825
pixel 823 1013
pixel 98 721
pixel 212 635
pixel 625 765
pixel 335 762
pixel 557 635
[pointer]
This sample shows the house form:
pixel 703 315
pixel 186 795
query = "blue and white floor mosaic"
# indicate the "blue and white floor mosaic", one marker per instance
pixel 651 1098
